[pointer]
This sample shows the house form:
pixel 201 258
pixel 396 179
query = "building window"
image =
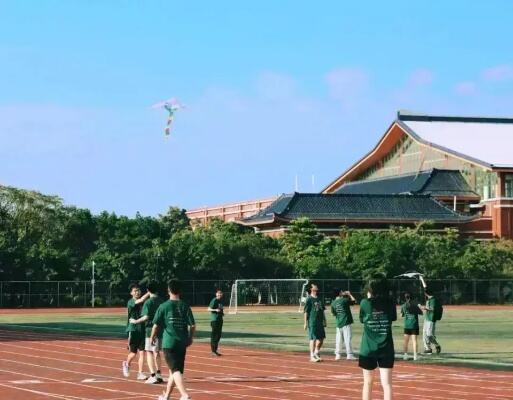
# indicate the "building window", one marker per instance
pixel 508 185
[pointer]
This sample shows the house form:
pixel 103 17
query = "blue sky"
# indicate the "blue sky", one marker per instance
pixel 272 89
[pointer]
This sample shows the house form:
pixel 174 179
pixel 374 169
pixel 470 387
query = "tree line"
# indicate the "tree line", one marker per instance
pixel 41 238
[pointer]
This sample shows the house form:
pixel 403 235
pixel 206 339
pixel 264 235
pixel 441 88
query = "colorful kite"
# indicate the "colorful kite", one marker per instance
pixel 171 106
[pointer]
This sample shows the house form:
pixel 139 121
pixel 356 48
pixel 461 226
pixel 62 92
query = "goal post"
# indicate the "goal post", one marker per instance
pixel 253 295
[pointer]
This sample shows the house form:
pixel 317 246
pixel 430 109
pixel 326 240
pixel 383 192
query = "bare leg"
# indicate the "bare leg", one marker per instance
pixel 406 342
pixel 130 358
pixel 150 361
pixel 386 382
pixel 414 340
pixel 170 386
pixel 158 361
pixel 312 347
pixel 318 345
pixel 142 355
pixel 178 379
pixel 368 379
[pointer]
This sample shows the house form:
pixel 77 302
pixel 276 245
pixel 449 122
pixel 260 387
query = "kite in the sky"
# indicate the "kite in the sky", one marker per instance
pixel 171 106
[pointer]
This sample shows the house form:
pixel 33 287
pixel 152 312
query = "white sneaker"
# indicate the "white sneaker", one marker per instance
pixel 337 357
pixel 152 380
pixel 141 376
pixel 415 357
pixel 316 355
pixel 405 357
pixel 126 369
pixel 162 397
pixel 351 357
pixel 186 397
pixel 314 359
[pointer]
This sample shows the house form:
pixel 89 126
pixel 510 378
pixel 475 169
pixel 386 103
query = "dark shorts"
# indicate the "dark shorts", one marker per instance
pixel 411 331
pixel 370 363
pixel 136 341
pixel 175 358
pixel 316 333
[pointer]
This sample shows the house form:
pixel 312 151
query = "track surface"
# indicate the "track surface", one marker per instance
pixel 55 366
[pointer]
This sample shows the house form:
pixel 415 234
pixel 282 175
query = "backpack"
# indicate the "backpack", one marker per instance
pixel 438 311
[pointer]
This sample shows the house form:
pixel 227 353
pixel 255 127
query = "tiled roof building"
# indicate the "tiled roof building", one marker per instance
pixel 454 171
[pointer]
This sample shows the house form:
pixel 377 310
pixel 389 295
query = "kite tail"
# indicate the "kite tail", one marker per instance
pixel 167 131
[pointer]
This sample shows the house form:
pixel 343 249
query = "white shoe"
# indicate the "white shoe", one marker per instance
pixel 405 357
pixel 141 376
pixel 162 397
pixel 126 369
pixel 351 357
pixel 316 355
pixel 152 380
pixel 337 357
pixel 186 397
pixel 415 357
pixel 314 359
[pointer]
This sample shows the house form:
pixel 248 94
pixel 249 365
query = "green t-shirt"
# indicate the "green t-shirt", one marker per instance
pixel 411 311
pixel 377 316
pixel 216 304
pixel 150 308
pixel 341 309
pixel 430 309
pixel 134 311
pixel 174 317
pixel 314 309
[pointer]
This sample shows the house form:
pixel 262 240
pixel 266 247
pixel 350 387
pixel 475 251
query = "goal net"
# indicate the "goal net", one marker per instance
pixel 255 294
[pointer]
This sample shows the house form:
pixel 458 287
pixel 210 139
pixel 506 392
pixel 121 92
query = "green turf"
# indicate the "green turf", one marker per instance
pixel 472 338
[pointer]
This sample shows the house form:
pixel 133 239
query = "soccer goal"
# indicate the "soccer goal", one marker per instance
pixel 249 295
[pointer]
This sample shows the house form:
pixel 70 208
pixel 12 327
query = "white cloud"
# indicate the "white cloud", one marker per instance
pixel 347 84
pixel 274 86
pixel 498 73
pixel 465 88
pixel 421 77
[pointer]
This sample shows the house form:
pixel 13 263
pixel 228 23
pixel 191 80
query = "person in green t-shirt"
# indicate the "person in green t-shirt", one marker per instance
pixel 428 330
pixel 175 319
pixel 377 312
pixel 135 332
pixel 149 309
pixel 410 311
pixel 341 309
pixel 315 322
pixel 216 309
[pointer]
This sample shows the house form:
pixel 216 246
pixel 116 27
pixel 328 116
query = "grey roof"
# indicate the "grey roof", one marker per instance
pixel 484 140
pixel 436 182
pixel 356 207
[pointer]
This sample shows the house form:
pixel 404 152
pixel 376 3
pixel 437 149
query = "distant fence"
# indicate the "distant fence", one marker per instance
pixel 23 294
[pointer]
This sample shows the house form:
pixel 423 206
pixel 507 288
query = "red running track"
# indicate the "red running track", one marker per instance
pixel 40 366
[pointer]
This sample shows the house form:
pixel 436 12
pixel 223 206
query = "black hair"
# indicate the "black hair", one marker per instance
pixel 219 290
pixel 174 286
pixel 408 296
pixel 133 286
pixel 378 287
pixel 153 287
pixel 428 291
pixel 336 292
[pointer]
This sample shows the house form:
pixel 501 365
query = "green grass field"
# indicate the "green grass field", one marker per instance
pixel 477 338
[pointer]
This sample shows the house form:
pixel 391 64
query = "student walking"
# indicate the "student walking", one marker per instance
pixel 410 311
pixel 377 312
pixel 341 309
pixel 315 322
pixel 216 308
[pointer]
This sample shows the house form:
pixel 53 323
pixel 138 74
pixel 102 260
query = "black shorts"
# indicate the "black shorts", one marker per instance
pixel 136 341
pixel 175 358
pixel 370 363
pixel 411 331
